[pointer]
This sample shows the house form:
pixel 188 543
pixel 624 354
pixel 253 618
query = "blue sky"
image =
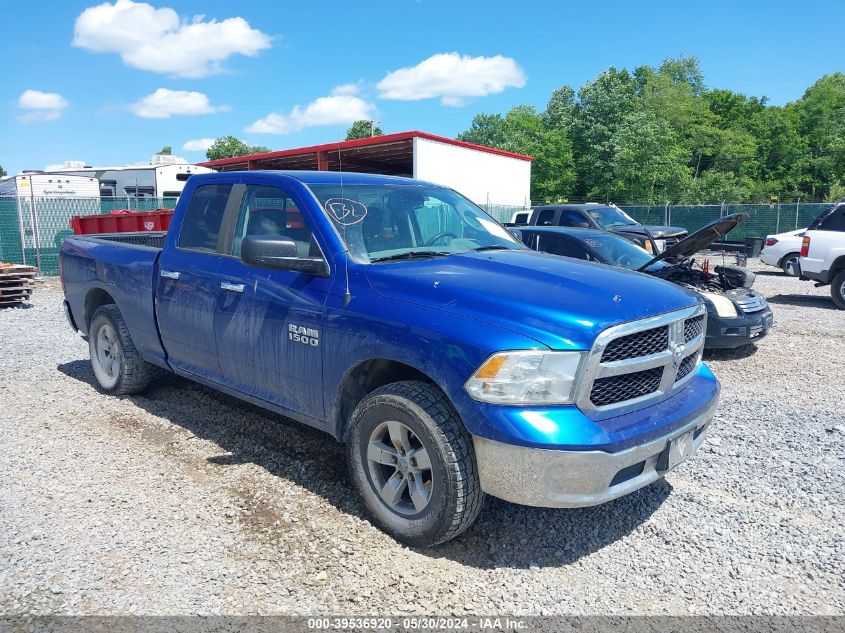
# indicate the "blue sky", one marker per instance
pixel 110 83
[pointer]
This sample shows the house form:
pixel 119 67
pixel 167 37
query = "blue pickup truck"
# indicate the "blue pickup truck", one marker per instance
pixel 397 316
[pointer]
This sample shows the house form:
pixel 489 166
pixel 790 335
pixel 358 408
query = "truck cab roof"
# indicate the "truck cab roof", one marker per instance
pixel 322 177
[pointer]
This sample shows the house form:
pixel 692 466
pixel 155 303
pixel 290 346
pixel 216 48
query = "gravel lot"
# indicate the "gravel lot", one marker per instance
pixel 185 501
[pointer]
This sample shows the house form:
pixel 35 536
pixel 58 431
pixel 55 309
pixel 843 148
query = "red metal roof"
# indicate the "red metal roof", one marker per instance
pixel 361 142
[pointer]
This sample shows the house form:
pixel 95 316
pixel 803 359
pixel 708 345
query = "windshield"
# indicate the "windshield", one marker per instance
pixel 380 222
pixel 608 217
pixel 618 251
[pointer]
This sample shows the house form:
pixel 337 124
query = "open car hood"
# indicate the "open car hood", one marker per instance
pixel 701 239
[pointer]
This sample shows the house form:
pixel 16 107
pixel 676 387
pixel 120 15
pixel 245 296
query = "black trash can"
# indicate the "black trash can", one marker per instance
pixel 753 246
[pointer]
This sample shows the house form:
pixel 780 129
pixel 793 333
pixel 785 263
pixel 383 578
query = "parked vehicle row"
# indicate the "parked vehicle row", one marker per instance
pixel 452 360
pixel 607 217
pixel 783 251
pixel 823 252
pixel 736 314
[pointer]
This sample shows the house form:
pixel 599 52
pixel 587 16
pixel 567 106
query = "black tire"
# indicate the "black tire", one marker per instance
pixel 837 289
pixel 128 373
pixel 454 493
pixel 789 264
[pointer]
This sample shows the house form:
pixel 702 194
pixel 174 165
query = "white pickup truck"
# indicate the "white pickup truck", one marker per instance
pixel 823 252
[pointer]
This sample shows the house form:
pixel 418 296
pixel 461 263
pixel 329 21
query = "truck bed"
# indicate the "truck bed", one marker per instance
pixel 124 266
pixel 153 239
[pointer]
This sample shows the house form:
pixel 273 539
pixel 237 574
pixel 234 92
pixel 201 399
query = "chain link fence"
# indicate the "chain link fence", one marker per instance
pixel 32 228
pixel 763 220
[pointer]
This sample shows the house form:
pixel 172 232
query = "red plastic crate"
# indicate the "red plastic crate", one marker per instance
pixel 122 221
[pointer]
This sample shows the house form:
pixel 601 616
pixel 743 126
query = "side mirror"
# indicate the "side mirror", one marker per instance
pixel 516 233
pixel 275 251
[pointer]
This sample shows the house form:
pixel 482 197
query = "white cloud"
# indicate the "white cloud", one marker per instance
pixel 164 103
pixel 41 106
pixel 158 40
pixel 198 144
pixel 347 89
pixel 453 78
pixel 341 107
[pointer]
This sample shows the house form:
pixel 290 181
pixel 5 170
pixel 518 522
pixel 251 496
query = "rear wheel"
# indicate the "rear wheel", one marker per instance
pixel 789 264
pixel 413 463
pixel 837 289
pixel 117 365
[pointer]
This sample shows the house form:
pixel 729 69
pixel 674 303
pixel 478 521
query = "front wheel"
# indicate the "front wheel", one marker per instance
pixel 117 365
pixel 837 289
pixel 413 463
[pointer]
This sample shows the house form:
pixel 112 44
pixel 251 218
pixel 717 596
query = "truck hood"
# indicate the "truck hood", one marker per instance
pixel 657 232
pixel 701 239
pixel 560 302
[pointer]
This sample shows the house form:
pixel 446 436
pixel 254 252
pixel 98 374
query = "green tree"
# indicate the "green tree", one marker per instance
pixel 561 110
pixel 2 171
pixel 782 153
pixel 821 121
pixel 523 130
pixel 660 133
pixel 229 147
pixel 715 186
pixel 602 106
pixel 166 150
pixel 363 129
pixel 649 164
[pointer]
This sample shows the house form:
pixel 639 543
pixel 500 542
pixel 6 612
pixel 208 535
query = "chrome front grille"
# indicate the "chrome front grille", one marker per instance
pixel 750 303
pixel 637 344
pixel 687 365
pixel 693 327
pixel 615 389
pixel 637 364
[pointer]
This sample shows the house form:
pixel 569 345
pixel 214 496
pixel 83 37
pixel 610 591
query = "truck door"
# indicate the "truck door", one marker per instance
pixel 270 323
pixel 190 276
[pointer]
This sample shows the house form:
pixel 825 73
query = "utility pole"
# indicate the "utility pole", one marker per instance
pixel 373 128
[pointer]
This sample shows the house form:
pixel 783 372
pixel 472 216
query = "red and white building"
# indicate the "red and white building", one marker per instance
pixel 485 175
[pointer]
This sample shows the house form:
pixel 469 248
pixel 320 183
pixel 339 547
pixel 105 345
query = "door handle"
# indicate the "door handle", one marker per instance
pixel 225 285
pixel 169 274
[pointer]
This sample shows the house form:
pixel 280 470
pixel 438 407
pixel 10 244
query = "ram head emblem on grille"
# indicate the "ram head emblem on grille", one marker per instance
pixel 678 350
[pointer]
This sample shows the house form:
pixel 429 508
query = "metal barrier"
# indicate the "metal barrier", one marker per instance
pixel 764 219
pixel 32 228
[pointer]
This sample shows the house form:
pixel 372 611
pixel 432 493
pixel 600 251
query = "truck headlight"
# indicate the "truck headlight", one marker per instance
pixel 526 377
pixel 724 306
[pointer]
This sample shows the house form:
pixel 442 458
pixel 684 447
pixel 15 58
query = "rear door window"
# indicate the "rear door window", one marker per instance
pixel 203 217
pixel 546 217
pixel 573 218
pixel 561 245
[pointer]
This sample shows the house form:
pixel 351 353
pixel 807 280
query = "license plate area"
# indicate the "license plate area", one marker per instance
pixel 677 451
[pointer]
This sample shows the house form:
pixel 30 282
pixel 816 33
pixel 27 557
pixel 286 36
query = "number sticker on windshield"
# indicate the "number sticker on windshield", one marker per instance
pixel 345 211
pixel 593 243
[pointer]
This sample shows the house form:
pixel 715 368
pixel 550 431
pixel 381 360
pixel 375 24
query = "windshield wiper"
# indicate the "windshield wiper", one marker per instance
pixel 412 255
pixel 494 247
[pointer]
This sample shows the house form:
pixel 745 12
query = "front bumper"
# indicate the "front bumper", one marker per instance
pixel 569 479
pixel 731 332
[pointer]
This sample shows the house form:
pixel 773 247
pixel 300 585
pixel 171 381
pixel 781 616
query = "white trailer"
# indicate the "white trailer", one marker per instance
pixel 43 185
pixel 496 179
pixel 140 181
pixel 484 175
pixel 44 204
